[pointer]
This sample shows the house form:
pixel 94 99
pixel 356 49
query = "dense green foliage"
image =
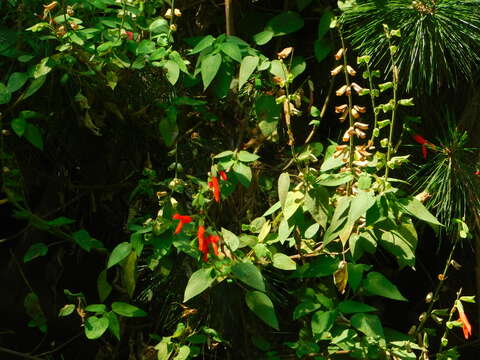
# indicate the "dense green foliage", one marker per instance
pixel 185 193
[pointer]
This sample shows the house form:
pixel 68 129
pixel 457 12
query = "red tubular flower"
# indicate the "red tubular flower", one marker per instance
pixel 201 238
pixel 184 219
pixel 223 175
pixel 467 328
pixel 424 142
pixel 214 239
pixel 129 35
pixel 477 173
pixel 215 188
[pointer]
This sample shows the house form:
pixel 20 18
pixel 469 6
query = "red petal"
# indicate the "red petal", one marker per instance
pixel 216 189
pixel 477 173
pixel 177 216
pixel 223 175
pixel 179 227
pixel 185 219
pixel 467 328
pixel 424 152
pixel 419 139
pixel 129 35
pixel 201 238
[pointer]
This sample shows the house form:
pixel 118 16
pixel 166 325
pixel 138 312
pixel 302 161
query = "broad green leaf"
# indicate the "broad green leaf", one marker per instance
pixel 359 205
pixel 232 50
pixel 334 179
pixel 42 69
pixel 243 173
pixel 245 156
pixel 183 353
pixel 285 23
pixel 159 25
pixel 263 37
pixel 198 283
pixel 173 71
pixel 223 154
pixel 60 221
pixel 268 113
pixel 302 4
pixel 120 252
pixel 209 68
pixel 19 125
pixel 34 86
pixel 96 308
pixel 247 67
pixel 95 327
pixel 278 68
pixel 103 287
pixel 273 209
pixel 368 324
pixel 206 42
pixel 298 66
pixel 293 201
pixel 34 251
pixel 305 308
pixel 129 280
pixel 283 262
pixel 324 24
pixel 377 284
pixel 317 204
pixel 16 81
pixel 113 323
pixel 222 84
pixel 283 187
pixel 402 243
pixel 34 136
pixel 5 95
pixel 339 219
pixel 415 208
pixel 249 274
pixel 323 321
pixel 323 265
pixel 261 305
pixel 230 239
pixel 352 307
pixel 312 230
pixel 66 310
pixel 85 241
pixel 355 274
pixel 127 310
pixel 145 47
pixel 322 48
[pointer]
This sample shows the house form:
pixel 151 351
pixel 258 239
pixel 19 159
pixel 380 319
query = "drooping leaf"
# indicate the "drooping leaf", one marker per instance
pixel 206 42
pixel 66 310
pixel 377 284
pixel 113 324
pixel 16 81
pixel 293 201
pixel 129 273
pixel 34 136
pixel 352 307
pixel 103 287
pixel 159 25
pixel 247 67
pixel 368 324
pixel 261 305
pixel 120 252
pixel 232 50
pixel 127 310
pixel 249 274
pixel 34 251
pixel 245 156
pixel 323 321
pixel 243 173
pixel 198 283
pixel 173 71
pixel 283 187
pixel 5 94
pixel 209 68
pixel 415 208
pixel 230 239
pixel 283 262
pixel 95 327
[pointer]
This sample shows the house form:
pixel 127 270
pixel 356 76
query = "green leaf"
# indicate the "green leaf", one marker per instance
pixel 283 187
pixel 243 173
pixel 209 68
pixel 198 283
pixel 16 81
pixel 206 42
pixel 415 208
pixel 103 287
pixel 113 324
pixel 285 23
pixel 168 126
pixel 355 274
pixel 96 308
pixel 305 308
pixel 247 67
pixel 317 204
pixel 159 25
pixel 322 266
pixel 60 221
pixel 230 239
pixel 279 69
pixel 232 50
pixel 127 310
pixel 263 37
pixel 261 305
pixel 283 262
pixel 223 154
pixel 183 353
pixel 268 113
pixel 34 136
pixel 322 48
pixel 173 71
pixel 402 243
pixel 368 324
pixel 312 230
pixel 324 24
pixel 34 86
pixel 377 284
pixel 129 279
pixel 34 251
pixel 145 47
pixel 323 321
pixel 245 156
pixel 249 274
pixel 352 307
pixel 85 241
pixel 66 310
pixel 95 327
pixel 293 201
pixel 19 125
pixel 42 69
pixel 5 95
pixel 120 252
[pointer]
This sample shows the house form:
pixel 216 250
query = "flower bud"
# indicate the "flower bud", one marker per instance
pixel 360 134
pixel 356 87
pixel 177 12
pixel 70 11
pixel 351 71
pixel 355 114
pixel 285 53
pixel 341 90
pixel 50 6
pixel 429 297
pixel 168 14
pixel 74 25
pixel 173 27
pixel 337 70
pixel 360 109
pixel 341 108
pixel 422 317
pixel 361 126
pixel 339 54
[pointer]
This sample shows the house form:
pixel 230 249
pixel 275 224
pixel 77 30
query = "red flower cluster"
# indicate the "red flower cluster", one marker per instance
pixel 214 185
pixel 422 141
pixel 466 327
pixel 184 219
pixel 204 242
pixel 477 172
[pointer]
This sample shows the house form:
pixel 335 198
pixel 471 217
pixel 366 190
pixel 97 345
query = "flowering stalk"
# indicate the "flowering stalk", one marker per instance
pixel 184 219
pixel 213 184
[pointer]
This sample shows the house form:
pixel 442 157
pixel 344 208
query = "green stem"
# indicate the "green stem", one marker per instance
pixel 372 98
